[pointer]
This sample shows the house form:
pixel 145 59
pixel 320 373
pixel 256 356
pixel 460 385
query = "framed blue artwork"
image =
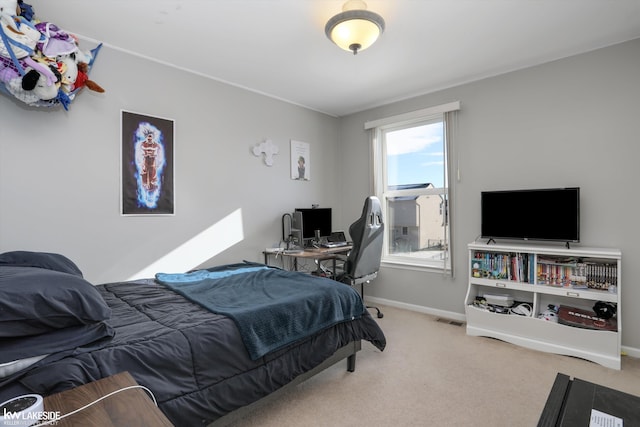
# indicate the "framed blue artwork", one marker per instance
pixel 147 165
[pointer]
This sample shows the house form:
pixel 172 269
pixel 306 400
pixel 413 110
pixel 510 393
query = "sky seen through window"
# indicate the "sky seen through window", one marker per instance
pixel 415 155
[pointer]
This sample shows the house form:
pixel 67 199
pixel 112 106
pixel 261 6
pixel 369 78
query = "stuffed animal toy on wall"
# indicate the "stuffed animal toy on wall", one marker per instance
pixel 83 79
pixel 37 82
pixel 33 87
pixel 40 64
pixel 10 7
pixel 19 37
pixel 69 69
pixel 56 42
pixel 25 10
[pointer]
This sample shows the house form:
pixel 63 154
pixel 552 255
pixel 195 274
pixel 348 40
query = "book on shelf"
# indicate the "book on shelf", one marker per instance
pixel 576 274
pixel 498 265
pixel 600 275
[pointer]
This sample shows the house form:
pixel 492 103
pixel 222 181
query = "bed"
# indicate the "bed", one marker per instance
pixel 209 344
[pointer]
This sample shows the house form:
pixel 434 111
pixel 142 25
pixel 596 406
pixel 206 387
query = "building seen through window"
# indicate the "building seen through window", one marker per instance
pixel 417 223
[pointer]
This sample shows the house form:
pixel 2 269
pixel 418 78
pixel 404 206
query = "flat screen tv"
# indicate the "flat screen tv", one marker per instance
pixel 315 219
pixel 540 214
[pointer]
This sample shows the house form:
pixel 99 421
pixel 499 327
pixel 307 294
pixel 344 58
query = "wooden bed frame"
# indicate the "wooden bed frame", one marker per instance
pixel 347 352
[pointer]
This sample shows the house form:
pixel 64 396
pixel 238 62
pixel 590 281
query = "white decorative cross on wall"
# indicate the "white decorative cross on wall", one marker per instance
pixel 268 148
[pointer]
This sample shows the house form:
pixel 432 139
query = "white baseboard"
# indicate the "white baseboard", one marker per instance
pixel 631 351
pixel 626 351
pixel 419 308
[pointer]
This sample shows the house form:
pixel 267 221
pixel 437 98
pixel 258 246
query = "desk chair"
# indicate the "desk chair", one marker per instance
pixel 363 262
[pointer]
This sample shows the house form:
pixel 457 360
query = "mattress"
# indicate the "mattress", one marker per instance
pixel 194 360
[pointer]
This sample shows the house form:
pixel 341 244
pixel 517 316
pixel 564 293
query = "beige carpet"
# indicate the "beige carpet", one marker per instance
pixel 433 374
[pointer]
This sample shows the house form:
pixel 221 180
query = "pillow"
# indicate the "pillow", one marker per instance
pixel 10 368
pixel 59 340
pixel 49 261
pixel 36 301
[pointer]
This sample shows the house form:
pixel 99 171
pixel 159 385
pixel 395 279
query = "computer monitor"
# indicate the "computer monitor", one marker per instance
pixel 315 219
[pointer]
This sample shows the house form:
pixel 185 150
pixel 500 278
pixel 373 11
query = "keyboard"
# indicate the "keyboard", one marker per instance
pixel 334 244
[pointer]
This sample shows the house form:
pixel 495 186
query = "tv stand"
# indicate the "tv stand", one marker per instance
pixel 491 240
pixel 572 280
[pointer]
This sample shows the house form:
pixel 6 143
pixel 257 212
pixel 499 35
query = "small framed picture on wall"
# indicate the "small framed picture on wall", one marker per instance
pixel 147 165
pixel 300 161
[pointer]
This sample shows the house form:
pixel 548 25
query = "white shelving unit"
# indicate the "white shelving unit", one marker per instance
pixel 544 275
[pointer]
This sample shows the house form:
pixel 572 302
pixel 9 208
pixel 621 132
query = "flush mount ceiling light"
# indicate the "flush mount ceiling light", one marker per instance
pixel 356 28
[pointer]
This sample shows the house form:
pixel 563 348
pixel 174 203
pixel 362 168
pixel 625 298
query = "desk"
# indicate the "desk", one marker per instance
pixel 570 402
pixel 132 407
pixel 315 254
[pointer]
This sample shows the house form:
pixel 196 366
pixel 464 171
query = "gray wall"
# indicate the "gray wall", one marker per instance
pixel 572 122
pixel 59 171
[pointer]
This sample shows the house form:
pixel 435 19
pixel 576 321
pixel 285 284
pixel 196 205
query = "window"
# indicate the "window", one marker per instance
pixel 411 179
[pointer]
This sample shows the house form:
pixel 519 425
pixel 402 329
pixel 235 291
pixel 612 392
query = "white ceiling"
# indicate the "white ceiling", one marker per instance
pixel 278 47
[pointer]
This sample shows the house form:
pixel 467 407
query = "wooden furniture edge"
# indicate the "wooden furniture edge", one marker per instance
pixel 109 411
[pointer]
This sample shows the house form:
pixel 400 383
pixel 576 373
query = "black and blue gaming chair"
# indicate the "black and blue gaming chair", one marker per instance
pixel 363 261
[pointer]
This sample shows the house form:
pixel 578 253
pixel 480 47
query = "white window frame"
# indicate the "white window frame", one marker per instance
pixel 412 119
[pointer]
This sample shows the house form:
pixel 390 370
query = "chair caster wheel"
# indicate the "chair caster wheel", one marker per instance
pixel 380 315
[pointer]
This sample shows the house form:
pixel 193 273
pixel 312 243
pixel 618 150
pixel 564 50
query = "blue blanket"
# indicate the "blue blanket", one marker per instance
pixel 271 307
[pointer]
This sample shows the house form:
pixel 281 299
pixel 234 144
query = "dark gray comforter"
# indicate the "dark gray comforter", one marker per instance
pixel 193 360
pixel 271 307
